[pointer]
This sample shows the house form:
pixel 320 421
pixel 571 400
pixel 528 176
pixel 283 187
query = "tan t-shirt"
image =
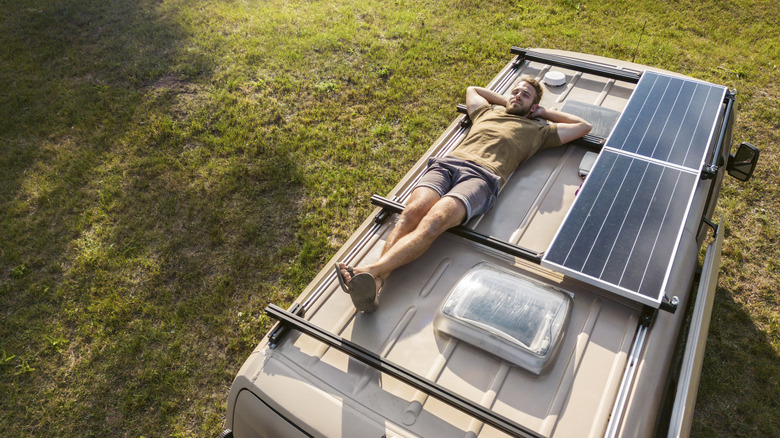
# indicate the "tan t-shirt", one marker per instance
pixel 500 142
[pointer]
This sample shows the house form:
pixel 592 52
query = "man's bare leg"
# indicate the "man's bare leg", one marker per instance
pixel 446 213
pixel 420 202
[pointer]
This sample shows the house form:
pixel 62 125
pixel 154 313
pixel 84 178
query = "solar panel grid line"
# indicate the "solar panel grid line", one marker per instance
pixel 666 122
pixel 601 229
pixel 628 113
pixel 607 213
pixel 623 223
pixel 634 255
pixel 680 126
pixel 679 221
pixel 653 161
pixel 655 245
pixel 588 215
pixel 638 214
pixel 653 126
pixel 690 144
pixel 675 225
pixel 614 214
pixel 634 141
pixel 712 99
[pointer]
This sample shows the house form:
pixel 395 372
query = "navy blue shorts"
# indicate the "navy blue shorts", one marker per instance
pixel 469 182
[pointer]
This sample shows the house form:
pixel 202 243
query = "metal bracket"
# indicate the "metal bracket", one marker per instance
pixel 712 225
pixel 575 64
pixel 382 217
pixel 709 171
pixel 280 331
pixel 670 305
pixel 647 316
pixel 466 121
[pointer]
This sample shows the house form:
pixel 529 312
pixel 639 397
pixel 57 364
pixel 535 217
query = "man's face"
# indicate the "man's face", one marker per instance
pixel 521 102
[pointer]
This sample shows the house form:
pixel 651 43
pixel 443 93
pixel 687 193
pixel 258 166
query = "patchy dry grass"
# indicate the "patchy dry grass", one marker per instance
pixel 168 168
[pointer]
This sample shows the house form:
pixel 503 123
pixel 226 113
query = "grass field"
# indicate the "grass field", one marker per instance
pixel 168 168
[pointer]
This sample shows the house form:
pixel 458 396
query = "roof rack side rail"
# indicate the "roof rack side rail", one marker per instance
pixel 711 170
pixel 374 360
pixel 491 242
pixel 583 66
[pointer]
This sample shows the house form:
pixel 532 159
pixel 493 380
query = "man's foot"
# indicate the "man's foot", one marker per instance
pixel 362 287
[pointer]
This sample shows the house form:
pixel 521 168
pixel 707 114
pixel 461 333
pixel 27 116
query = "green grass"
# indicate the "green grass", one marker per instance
pixel 168 168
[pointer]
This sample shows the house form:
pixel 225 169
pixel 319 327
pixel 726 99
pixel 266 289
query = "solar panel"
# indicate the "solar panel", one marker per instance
pixel 622 231
pixel 669 119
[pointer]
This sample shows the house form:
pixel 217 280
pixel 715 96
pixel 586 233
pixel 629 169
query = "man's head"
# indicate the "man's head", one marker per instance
pixel 525 97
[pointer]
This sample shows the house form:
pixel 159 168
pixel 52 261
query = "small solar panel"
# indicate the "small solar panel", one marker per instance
pixel 670 119
pixel 623 229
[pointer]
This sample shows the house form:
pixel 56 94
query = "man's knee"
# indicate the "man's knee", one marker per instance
pixel 421 202
pixel 413 214
pixel 448 213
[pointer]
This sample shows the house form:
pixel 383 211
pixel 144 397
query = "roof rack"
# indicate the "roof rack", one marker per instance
pixel 395 371
pixel 574 64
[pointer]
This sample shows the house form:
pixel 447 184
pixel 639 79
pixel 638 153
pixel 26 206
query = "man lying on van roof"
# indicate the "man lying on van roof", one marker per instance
pixel 465 183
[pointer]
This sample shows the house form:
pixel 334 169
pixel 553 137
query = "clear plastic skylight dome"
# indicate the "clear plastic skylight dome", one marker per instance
pixel 506 314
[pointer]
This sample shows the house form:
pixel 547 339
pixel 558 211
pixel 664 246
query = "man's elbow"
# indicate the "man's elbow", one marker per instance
pixel 585 128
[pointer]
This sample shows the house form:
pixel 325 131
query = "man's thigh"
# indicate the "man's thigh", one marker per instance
pixel 448 212
pixel 464 181
pixel 476 194
pixel 421 201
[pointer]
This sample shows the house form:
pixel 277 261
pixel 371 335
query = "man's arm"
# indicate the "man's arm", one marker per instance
pixel 478 96
pixel 570 127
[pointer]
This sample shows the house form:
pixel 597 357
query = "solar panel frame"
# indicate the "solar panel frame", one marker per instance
pixel 624 228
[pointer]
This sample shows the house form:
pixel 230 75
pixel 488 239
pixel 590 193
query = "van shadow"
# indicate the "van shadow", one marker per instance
pixel 739 376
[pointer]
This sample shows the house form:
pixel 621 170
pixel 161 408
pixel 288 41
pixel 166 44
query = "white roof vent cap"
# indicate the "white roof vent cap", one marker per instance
pixel 554 79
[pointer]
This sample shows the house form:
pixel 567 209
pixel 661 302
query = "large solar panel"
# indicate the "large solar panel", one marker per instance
pixel 622 231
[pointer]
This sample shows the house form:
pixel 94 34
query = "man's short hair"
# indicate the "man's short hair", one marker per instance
pixel 537 87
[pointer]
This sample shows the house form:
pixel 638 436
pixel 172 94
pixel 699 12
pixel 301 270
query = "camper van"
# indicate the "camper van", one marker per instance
pixel 577 307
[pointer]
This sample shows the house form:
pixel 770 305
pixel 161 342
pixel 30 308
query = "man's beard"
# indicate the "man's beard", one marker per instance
pixel 519 110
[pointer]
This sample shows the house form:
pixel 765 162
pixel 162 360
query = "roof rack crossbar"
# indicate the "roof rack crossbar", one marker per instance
pixel 372 359
pixel 573 64
pixel 491 242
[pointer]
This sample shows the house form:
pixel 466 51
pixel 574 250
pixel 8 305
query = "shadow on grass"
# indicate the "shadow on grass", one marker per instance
pixel 133 229
pixel 739 377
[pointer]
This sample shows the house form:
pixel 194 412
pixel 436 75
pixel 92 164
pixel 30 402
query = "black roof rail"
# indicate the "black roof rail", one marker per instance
pixel 574 64
pixel 395 371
